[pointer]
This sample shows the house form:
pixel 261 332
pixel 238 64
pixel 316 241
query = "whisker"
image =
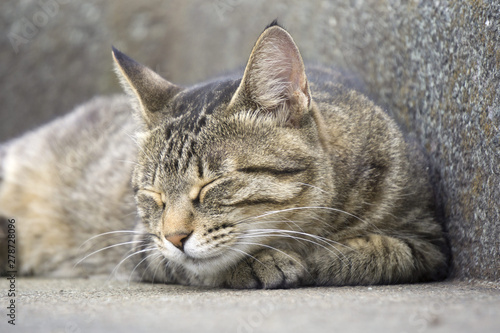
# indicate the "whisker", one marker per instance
pixel 113 272
pixel 270 247
pixel 323 239
pixel 109 233
pixel 127 161
pixel 306 240
pixel 138 264
pixel 136 141
pixel 317 237
pixel 243 252
pixel 284 233
pixel 300 208
pixel 129 214
pixel 158 254
pixel 105 248
pixel 168 263
pixel 295 223
pixel 246 220
pixel 275 249
pixel 315 187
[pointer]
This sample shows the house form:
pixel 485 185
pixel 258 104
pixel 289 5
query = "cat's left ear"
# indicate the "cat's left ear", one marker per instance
pixel 150 90
pixel 275 79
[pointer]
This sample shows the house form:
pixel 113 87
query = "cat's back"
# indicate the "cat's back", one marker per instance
pixel 374 164
pixel 323 78
pixel 77 150
pixel 353 121
pixel 68 174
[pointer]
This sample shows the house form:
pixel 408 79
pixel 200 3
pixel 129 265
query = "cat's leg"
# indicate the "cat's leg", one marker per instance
pixel 270 268
pixel 370 259
pixel 377 259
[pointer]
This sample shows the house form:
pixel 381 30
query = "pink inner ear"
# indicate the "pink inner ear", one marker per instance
pixel 295 67
pixel 276 72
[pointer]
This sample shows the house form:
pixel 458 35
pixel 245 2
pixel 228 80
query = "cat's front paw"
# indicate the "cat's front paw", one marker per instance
pixel 268 269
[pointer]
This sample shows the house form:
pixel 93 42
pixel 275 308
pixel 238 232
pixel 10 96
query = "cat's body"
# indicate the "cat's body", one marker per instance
pixel 68 181
pixel 274 180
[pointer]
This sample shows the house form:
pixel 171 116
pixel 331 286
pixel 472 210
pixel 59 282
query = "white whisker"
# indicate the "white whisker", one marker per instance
pixel 105 248
pixel 160 264
pixel 275 249
pixel 113 272
pixel 130 162
pixel 244 253
pixel 109 233
pixel 305 240
pixel 323 239
pixel 138 264
pixel 315 187
pixel 158 254
pixel 301 208
pixel 269 213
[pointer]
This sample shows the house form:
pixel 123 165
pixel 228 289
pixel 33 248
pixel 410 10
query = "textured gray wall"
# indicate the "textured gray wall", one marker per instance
pixel 436 65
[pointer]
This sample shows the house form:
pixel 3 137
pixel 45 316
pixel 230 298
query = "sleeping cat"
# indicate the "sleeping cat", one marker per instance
pixel 277 179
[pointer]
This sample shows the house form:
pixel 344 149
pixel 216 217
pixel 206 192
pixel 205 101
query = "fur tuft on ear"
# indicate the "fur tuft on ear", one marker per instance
pixel 149 89
pixel 273 23
pixel 275 78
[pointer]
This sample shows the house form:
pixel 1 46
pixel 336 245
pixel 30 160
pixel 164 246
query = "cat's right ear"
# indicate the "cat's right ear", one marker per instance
pixel 150 90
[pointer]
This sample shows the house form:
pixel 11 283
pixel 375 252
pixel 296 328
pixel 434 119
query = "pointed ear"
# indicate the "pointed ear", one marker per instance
pixel 275 78
pixel 149 89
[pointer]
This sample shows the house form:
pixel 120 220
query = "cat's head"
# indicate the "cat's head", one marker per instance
pixel 225 167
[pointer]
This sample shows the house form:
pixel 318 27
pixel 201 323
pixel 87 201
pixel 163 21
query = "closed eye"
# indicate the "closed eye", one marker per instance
pixel 273 171
pixel 158 197
pixel 199 193
pixel 240 189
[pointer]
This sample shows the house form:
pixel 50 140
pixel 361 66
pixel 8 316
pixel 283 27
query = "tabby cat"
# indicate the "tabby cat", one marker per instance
pixel 277 179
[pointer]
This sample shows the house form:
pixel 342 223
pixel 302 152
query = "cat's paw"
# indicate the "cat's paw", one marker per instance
pixel 268 269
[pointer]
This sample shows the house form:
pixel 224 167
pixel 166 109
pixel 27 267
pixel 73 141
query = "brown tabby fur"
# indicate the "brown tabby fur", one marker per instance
pixel 278 179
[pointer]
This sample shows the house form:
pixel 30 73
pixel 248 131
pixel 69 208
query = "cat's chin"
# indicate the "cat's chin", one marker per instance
pixel 210 265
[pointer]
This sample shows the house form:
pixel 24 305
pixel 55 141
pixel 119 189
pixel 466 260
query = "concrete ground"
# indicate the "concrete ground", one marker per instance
pixel 73 306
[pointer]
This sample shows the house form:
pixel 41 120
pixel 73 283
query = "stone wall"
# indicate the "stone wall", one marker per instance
pixel 435 64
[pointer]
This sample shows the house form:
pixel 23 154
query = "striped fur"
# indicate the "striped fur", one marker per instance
pixel 277 179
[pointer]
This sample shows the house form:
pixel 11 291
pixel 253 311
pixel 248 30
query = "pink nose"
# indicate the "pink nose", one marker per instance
pixel 178 239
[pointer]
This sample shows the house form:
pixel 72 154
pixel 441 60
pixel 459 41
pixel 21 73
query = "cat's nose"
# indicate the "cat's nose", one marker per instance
pixel 178 239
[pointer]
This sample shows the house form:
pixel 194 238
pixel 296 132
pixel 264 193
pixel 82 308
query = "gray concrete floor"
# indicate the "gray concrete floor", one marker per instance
pixel 74 306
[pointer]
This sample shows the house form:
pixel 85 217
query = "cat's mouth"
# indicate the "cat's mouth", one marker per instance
pixel 202 257
pixel 209 265
pixel 210 262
